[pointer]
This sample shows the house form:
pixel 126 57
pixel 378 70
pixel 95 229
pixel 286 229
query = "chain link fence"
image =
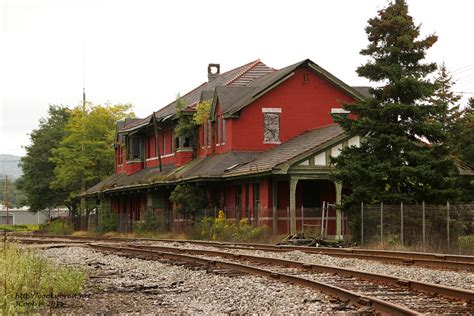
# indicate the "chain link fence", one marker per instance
pixel 422 227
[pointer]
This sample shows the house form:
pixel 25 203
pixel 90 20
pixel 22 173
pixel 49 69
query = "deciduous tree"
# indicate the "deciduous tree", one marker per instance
pixel 86 151
pixel 37 166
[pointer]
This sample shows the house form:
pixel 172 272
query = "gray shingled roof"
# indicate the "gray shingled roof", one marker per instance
pixel 309 141
pixel 233 100
pixel 228 78
pixel 208 167
pixel 231 164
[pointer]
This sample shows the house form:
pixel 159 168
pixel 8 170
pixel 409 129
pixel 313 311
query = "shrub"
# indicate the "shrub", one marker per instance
pixel 28 280
pixel 108 220
pixel 222 229
pixel 58 227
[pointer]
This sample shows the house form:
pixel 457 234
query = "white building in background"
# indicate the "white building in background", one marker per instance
pixel 23 216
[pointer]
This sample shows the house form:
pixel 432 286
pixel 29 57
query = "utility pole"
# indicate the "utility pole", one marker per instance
pixel 83 182
pixel 6 196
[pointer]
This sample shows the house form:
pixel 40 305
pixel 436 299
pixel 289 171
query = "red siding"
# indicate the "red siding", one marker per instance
pixel 304 106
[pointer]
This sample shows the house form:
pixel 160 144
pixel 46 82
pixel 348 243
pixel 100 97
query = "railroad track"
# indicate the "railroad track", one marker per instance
pixel 381 293
pixel 432 260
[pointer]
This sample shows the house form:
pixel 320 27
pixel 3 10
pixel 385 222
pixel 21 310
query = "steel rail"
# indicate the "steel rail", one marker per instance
pixel 343 294
pixel 446 291
pixel 433 260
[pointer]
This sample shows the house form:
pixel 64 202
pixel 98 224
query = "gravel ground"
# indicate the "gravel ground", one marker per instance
pixel 128 285
pixel 461 279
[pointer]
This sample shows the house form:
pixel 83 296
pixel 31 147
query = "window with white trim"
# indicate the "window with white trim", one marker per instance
pixel 271 125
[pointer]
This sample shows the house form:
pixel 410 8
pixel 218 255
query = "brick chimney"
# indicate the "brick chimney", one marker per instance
pixel 213 70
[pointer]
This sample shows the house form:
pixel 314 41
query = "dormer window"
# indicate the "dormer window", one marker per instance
pixel 271 125
pixel 134 148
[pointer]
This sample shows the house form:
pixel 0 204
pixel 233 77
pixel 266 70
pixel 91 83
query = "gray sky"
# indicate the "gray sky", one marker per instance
pixel 145 52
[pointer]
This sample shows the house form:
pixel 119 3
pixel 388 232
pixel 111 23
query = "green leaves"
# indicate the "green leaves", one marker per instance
pixel 69 145
pixel 86 150
pixel 403 157
pixel 38 169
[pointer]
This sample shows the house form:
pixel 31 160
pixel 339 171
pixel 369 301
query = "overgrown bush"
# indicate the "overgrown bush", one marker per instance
pixel 466 244
pixel 28 281
pixel 58 227
pixel 222 229
pixel 108 220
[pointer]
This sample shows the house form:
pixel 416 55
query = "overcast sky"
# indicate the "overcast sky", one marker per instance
pixel 145 52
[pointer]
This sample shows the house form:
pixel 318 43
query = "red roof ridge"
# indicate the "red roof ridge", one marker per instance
pixel 251 65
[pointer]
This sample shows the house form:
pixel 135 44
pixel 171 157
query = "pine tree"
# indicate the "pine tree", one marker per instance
pixel 401 157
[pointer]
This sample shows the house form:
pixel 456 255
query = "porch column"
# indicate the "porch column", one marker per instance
pixel 338 212
pixel 293 183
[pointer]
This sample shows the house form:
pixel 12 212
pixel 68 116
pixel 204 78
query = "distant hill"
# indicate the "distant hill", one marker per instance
pixel 9 166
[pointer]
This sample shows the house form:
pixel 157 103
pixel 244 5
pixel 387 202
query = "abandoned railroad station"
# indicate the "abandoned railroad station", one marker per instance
pixel 263 154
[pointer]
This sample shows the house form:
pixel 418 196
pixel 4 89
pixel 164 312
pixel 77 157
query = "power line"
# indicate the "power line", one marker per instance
pixel 460 68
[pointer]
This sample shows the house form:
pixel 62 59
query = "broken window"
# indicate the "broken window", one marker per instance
pixel 271 128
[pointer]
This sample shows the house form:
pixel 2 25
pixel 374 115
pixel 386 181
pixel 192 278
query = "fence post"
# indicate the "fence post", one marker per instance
pixel 362 222
pixel 302 220
pixel 215 212
pixel 288 220
pixel 275 222
pixel 424 226
pixel 401 222
pixel 381 223
pixel 322 218
pixel 447 223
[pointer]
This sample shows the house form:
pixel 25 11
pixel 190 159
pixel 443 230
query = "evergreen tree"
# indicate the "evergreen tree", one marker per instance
pixel 38 169
pixel 401 157
pixel 446 99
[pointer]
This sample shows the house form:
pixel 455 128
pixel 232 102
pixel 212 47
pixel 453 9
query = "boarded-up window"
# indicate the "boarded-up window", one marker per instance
pixel 271 128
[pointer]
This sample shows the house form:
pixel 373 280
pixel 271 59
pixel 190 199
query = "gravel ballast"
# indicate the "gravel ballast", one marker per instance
pixel 128 285
pixel 459 279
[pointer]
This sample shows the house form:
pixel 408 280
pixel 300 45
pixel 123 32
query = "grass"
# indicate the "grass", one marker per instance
pixel 58 227
pixel 28 281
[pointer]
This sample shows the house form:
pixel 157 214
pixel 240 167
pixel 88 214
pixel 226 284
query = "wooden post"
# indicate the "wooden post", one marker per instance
pixel 381 223
pixel 6 196
pixel 401 223
pixel 158 153
pixel 288 220
pixel 362 222
pixel 447 223
pixel 302 219
pixel 424 225
pixel 293 184
pixel 322 218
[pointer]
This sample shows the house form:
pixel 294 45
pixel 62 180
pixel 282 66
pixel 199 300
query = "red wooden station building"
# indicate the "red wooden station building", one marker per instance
pixel 264 153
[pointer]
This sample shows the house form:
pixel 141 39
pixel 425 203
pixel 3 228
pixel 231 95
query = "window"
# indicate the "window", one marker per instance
pixel 172 141
pixel 204 134
pixel 208 133
pixel 134 148
pixel 164 142
pixel 223 130
pixel 271 125
pixel 219 131
pixel 119 155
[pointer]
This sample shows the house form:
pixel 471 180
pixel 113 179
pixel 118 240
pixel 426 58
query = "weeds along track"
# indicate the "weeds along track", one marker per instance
pixel 373 291
pixel 432 260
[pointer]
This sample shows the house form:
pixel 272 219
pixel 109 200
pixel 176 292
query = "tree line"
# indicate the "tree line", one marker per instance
pixel 69 146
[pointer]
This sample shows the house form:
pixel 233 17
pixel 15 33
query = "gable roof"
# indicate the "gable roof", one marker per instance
pixel 233 100
pixel 238 77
